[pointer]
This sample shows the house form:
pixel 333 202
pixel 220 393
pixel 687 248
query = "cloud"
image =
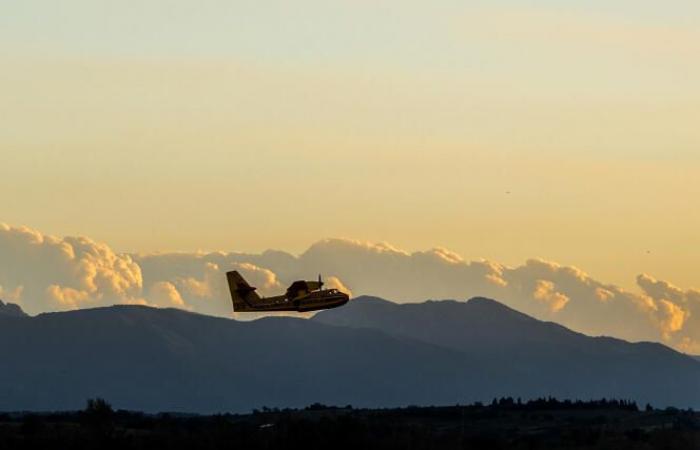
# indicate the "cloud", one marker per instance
pixel 45 273
pixel 66 297
pixel 13 295
pixel 544 289
pixel 545 292
pixel 49 273
pixel 671 319
pixel 165 294
pixel 662 289
pixel 676 311
pixel 335 283
pixel 603 294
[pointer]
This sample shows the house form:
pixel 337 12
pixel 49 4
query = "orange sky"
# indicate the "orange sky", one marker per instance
pixel 495 130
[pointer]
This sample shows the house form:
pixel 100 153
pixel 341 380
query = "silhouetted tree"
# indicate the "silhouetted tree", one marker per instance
pixel 99 416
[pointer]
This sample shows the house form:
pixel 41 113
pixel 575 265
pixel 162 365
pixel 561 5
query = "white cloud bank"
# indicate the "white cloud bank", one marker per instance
pixel 46 273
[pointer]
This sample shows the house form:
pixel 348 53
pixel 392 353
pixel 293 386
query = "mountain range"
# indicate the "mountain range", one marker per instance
pixel 369 353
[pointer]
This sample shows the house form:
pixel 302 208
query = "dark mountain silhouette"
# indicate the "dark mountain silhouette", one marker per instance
pixel 543 358
pixel 371 353
pixel 11 310
pixel 166 359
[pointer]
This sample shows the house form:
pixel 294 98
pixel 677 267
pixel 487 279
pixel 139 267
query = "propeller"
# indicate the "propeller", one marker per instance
pixel 320 282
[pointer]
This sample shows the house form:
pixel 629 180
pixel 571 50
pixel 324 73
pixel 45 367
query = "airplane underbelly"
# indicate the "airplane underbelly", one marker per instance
pixel 316 305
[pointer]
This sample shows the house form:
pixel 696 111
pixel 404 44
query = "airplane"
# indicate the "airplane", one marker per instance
pixel 301 296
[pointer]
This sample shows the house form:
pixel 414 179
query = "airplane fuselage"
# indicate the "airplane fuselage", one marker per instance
pixel 313 301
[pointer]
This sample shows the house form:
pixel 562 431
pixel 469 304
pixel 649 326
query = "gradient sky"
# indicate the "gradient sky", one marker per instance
pixel 501 129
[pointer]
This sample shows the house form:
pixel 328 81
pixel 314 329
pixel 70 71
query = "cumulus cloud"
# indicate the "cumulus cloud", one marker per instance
pixel 671 318
pixel 676 311
pixel 603 294
pixel 545 292
pixel 335 283
pixel 66 297
pixel 544 289
pixel 165 294
pixel 43 273
pixel 47 272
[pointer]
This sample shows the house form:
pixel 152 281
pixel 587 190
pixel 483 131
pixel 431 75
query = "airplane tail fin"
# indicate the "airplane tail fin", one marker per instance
pixel 242 294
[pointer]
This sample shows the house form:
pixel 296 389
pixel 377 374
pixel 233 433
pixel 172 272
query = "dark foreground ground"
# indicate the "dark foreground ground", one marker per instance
pixel 505 424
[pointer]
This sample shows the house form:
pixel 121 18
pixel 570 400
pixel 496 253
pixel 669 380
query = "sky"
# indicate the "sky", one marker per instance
pixel 506 130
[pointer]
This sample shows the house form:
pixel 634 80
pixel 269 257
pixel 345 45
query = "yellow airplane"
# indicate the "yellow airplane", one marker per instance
pixel 301 296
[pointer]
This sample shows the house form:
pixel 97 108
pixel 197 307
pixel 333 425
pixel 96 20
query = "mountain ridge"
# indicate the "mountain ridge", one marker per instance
pixel 370 353
pixel 486 307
